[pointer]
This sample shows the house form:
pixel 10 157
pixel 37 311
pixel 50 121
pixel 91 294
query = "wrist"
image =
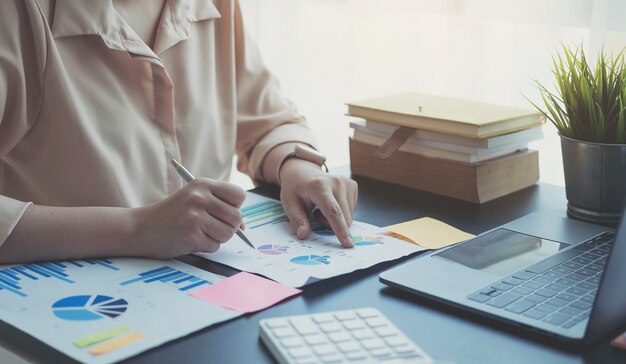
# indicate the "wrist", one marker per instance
pixel 292 168
pixel 135 230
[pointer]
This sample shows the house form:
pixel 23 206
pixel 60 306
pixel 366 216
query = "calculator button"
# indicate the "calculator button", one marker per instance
pixel 376 322
pixel 367 313
pixel 322 318
pixel 304 326
pixel 405 349
pixel 371 344
pixel 307 361
pixel 300 353
pixel 338 337
pixel 326 349
pixel 386 331
pixel 331 359
pixel 396 341
pixel 353 324
pixel 292 342
pixel 359 355
pixel 277 324
pixel 342 316
pixel 347 347
pixel 331 327
pixel 362 334
pixel 284 333
pixel 313 340
pixel 381 353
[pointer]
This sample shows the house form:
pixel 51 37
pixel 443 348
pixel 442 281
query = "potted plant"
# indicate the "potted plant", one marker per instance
pixel 589 111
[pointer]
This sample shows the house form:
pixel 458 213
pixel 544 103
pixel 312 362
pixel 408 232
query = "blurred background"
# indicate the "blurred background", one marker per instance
pixel 328 52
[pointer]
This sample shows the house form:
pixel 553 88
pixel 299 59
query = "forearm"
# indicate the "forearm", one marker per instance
pixel 52 233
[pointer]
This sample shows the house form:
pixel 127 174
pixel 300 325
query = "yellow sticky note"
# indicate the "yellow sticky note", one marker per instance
pixel 115 344
pixel 101 336
pixel 430 233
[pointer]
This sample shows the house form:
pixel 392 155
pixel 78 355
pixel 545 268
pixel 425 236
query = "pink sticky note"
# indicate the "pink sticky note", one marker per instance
pixel 245 292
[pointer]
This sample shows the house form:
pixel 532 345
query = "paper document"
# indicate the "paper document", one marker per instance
pixel 106 310
pixel 430 233
pixel 281 256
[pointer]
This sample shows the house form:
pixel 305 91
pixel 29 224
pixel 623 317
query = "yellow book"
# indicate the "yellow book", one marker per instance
pixel 445 115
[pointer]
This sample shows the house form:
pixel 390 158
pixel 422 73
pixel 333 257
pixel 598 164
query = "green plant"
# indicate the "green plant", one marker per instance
pixel 588 105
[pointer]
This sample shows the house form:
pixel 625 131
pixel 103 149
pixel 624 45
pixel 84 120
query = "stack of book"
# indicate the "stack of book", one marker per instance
pixel 458 148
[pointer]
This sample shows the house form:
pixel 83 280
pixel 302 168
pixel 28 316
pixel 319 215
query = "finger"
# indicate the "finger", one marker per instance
pixel 217 230
pixel 206 244
pixel 228 192
pixel 341 195
pixel 296 211
pixel 223 211
pixel 334 214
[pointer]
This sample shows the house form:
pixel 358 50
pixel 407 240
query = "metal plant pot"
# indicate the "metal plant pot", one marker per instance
pixel 595 180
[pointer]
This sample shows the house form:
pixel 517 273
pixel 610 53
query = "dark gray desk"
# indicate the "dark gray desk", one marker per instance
pixel 444 333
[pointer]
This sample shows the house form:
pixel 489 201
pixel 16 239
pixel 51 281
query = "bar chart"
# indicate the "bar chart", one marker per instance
pixel 11 278
pixel 263 213
pixel 182 280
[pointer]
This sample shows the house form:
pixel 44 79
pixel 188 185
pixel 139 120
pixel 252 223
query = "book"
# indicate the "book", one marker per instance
pixel 417 138
pixel 476 183
pixel 434 153
pixel 518 137
pixel 445 115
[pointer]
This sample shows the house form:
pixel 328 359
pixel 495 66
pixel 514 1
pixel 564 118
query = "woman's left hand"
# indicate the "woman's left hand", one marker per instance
pixel 304 185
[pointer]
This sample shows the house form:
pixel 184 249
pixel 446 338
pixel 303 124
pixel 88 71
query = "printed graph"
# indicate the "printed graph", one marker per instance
pixel 263 213
pixel 270 249
pixel 366 241
pixel 11 279
pixel 89 307
pixel 182 280
pixel 311 259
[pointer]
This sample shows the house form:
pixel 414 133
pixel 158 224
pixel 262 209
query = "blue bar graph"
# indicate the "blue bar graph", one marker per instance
pixel 11 279
pixel 181 280
pixel 263 213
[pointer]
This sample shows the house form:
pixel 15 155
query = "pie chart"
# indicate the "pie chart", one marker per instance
pixel 89 307
pixel 270 249
pixel 365 241
pixel 311 259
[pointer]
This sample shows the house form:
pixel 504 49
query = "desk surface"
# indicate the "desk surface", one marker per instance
pixel 446 334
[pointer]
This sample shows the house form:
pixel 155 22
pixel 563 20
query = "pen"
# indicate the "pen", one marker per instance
pixel 188 177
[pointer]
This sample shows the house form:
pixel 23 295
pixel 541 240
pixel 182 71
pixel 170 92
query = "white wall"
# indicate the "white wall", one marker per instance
pixel 327 52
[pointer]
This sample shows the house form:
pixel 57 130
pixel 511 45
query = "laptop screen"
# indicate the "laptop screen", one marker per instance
pixel 609 310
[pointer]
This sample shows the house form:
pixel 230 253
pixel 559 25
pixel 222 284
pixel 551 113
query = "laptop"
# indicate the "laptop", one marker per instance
pixel 548 274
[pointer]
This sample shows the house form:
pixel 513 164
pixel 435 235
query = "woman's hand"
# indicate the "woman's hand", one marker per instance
pixel 197 218
pixel 304 184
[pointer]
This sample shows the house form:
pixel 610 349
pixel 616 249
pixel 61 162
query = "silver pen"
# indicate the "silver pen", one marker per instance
pixel 188 177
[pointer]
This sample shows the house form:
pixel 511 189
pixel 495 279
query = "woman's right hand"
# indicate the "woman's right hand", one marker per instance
pixel 197 218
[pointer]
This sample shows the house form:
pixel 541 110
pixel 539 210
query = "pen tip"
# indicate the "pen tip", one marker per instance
pixel 174 162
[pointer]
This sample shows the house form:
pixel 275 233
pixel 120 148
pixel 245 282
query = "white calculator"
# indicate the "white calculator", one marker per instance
pixel 353 336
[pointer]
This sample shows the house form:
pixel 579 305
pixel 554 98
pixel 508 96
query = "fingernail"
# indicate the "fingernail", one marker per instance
pixel 300 232
pixel 350 241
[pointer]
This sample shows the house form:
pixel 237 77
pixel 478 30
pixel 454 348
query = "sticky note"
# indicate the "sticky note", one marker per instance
pixel 245 292
pixel 98 337
pixel 116 344
pixel 430 233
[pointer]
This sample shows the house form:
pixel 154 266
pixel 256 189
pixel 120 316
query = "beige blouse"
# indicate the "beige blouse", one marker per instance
pixel 90 115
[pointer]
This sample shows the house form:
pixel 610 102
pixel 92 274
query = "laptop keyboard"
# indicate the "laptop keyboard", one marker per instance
pixel 559 290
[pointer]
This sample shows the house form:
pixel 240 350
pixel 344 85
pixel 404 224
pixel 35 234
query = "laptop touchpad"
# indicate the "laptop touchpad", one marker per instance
pixel 501 251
